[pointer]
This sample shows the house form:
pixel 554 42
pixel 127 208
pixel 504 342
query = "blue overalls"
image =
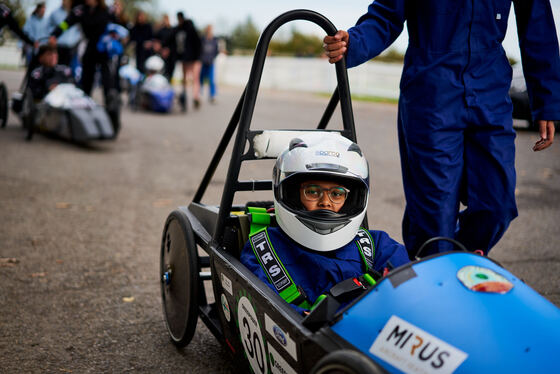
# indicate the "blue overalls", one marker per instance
pixel 455 116
pixel 317 272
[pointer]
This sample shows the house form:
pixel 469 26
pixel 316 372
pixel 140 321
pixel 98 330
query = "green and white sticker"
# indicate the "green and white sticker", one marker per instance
pixel 225 307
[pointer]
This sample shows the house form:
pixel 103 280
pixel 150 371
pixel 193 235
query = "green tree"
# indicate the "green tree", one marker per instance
pixel 299 44
pixel 390 55
pixel 131 7
pixel 244 37
pixel 18 9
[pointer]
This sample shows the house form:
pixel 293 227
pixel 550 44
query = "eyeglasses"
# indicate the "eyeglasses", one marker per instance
pixel 313 192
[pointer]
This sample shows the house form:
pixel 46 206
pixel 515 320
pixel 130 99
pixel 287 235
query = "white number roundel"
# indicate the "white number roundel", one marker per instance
pixel 251 336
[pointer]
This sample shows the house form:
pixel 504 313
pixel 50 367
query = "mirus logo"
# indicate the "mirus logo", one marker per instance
pixel 414 350
pixel 419 347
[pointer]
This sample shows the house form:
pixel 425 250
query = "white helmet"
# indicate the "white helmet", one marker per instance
pixel 330 157
pixel 154 64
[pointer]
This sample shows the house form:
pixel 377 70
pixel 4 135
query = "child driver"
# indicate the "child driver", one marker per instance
pixel 321 191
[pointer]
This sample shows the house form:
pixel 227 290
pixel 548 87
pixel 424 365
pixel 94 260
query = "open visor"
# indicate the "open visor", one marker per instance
pixel 287 193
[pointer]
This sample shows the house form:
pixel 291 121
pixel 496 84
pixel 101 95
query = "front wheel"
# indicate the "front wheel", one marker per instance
pixel 3 105
pixel 179 278
pixel 28 113
pixel 346 362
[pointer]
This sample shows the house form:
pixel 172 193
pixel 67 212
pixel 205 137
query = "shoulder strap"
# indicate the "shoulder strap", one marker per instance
pixel 275 270
pixel 366 246
pixel 260 219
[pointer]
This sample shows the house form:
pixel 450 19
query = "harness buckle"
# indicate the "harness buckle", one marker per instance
pixel 348 288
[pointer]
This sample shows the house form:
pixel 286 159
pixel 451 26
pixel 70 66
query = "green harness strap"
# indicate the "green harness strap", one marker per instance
pixel 275 270
pixel 366 246
pixel 277 273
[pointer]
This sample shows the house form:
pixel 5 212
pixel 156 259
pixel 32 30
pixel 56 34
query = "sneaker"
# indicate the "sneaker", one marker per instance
pixel 183 101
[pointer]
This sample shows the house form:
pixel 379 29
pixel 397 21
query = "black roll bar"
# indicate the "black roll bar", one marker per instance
pixel 243 113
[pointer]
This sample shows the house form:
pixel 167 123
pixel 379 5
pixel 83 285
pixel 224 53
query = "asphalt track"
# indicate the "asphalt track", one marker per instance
pixel 80 229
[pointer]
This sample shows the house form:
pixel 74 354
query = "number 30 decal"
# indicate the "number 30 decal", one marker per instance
pixel 251 335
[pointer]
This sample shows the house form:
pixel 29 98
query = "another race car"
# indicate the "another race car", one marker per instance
pixel 155 92
pixel 152 92
pixel 454 312
pixel 49 102
pixel 66 112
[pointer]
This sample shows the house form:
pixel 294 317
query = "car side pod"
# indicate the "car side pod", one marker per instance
pixel 454 312
pixel 88 124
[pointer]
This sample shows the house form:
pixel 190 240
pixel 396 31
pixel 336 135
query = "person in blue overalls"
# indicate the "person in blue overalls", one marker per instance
pixel 321 191
pixel 455 116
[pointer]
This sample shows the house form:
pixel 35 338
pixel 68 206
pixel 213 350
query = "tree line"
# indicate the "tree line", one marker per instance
pixel 244 37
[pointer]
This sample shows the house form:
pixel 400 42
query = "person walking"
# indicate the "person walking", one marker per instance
pixel 67 43
pixel 455 123
pixel 210 50
pixel 188 46
pixel 141 34
pixel 93 17
pixel 118 17
pixel 164 44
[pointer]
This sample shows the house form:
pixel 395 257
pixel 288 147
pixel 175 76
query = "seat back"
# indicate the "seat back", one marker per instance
pixel 239 226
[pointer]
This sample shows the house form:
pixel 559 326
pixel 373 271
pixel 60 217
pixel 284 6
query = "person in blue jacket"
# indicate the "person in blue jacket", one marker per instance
pixel 455 123
pixel 36 28
pixel 321 191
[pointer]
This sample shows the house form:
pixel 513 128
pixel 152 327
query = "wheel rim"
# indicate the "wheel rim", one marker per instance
pixel 175 274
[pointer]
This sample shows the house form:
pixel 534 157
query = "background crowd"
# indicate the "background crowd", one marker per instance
pixel 77 26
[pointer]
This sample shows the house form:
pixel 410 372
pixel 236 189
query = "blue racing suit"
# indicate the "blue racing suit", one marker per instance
pixel 317 272
pixel 455 123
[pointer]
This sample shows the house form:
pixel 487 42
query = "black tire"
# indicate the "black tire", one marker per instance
pixel 115 117
pixel 179 278
pixel 346 362
pixel 113 108
pixel 28 113
pixel 4 108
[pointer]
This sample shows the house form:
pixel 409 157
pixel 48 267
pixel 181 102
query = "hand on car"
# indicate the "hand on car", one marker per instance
pixel 546 129
pixel 336 46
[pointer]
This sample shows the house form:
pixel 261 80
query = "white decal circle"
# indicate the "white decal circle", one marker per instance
pixel 251 336
pixel 225 307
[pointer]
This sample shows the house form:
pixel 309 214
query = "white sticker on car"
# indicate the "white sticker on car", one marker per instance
pixel 413 350
pixel 251 336
pixel 226 284
pixel 282 337
pixel 277 363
